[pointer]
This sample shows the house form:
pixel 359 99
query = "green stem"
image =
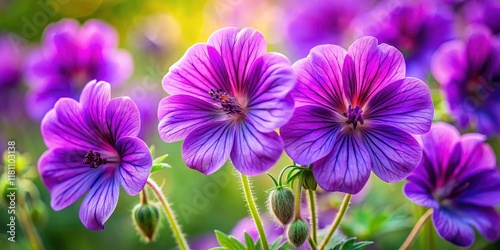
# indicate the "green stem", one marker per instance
pixel 336 222
pixel 312 206
pixel 169 213
pixel 29 228
pixel 414 231
pixel 298 193
pixel 312 244
pixel 247 190
pixel 144 197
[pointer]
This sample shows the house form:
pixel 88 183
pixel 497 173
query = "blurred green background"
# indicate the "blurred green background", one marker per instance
pixel 202 203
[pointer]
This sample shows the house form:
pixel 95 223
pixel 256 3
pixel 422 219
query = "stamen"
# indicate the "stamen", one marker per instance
pixel 229 104
pixel 94 159
pixel 354 116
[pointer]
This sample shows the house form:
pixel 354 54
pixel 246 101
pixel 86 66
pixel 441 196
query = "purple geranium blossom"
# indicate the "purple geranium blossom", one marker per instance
pixel 70 57
pixel 356 112
pixel 227 99
pixel 469 74
pixel 416 28
pixel 458 179
pixel 486 12
pixel 93 147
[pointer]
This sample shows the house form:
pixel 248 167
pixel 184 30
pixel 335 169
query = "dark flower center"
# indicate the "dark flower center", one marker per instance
pixel 453 189
pixel 94 159
pixel 354 115
pixel 229 104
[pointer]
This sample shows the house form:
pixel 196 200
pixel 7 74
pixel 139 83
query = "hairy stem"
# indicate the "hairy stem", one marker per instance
pixel 415 230
pixel 298 193
pixel 336 222
pixel 247 191
pixel 29 227
pixel 314 220
pixel 169 213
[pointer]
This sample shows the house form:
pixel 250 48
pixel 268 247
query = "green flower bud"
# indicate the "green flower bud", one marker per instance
pixel 298 232
pixel 308 181
pixel 281 204
pixel 146 219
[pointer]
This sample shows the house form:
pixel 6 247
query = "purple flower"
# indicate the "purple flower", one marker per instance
pixel 458 179
pixel 356 112
pixel 12 53
pixel 469 74
pixel 321 22
pixel 416 28
pixel 486 12
pixel 93 148
pixel 227 99
pixel 71 56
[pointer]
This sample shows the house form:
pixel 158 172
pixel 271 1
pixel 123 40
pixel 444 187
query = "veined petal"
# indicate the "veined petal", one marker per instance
pixel 208 147
pixel 394 153
pixel 94 100
pixel 65 127
pixel 484 219
pixel 369 67
pixel 319 78
pixel 100 201
pixel 255 152
pixel 420 195
pixel 452 228
pixel 238 49
pixel 310 134
pixel 179 115
pixel 135 166
pixel 122 118
pixel 198 72
pixel 405 104
pixel 474 154
pixel 266 115
pixel 346 168
pixel 65 176
pixel 270 77
pixel 482 187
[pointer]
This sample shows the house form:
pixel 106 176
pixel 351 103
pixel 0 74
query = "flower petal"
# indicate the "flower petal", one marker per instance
pixel 369 67
pixel 116 67
pixel 66 127
pixel 449 62
pixel 40 101
pixel 238 49
pixel 135 166
pixel 207 147
pixel 405 104
pixel 181 114
pixel 65 176
pixel 452 228
pixel 270 114
pixel 94 100
pixel 394 153
pixel 479 47
pixel 122 118
pixel 482 187
pixel 98 33
pixel 310 134
pixel 319 78
pixel 346 168
pixel 100 202
pixel 420 195
pixel 474 154
pixel 255 152
pixel 484 219
pixel 198 72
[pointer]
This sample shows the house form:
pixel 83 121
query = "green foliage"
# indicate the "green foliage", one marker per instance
pixel 351 244
pixel 158 162
pixel 228 242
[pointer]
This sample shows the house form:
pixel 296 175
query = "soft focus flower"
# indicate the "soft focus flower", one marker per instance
pixel 469 74
pixel 416 28
pixel 227 99
pixel 71 56
pixel 356 112
pixel 321 22
pixel 12 53
pixel 458 179
pixel 486 12
pixel 93 148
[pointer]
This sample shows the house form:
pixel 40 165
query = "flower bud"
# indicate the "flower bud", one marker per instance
pixel 308 180
pixel 281 204
pixel 146 218
pixel 297 232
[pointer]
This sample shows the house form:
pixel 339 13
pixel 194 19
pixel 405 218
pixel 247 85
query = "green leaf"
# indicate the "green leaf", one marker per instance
pixel 351 244
pixel 249 242
pixel 228 242
pixel 160 159
pixel 152 150
pixel 159 166
pixel 361 245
